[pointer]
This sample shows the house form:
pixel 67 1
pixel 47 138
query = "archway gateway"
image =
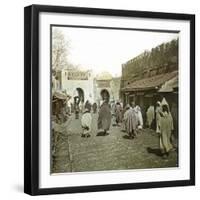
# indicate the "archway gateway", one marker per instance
pixel 80 94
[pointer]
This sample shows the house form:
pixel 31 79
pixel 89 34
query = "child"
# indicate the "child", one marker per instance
pixel 86 121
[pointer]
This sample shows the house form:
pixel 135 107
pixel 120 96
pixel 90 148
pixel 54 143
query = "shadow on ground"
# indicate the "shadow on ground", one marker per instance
pixel 102 133
pixel 155 151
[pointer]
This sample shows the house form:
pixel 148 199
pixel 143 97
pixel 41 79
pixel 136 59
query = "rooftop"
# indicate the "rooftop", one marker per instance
pixel 170 85
pixel 104 76
pixel 150 82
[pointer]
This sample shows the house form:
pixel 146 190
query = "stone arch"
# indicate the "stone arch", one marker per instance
pixel 81 94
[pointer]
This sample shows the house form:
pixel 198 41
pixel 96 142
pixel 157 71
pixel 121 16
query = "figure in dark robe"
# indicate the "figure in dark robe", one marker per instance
pixel 94 107
pixel 118 113
pixel 104 119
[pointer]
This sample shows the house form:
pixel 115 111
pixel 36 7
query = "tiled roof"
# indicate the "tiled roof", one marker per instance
pixel 150 82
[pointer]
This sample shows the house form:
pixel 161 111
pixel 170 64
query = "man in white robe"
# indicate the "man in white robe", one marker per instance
pixel 86 122
pixel 166 127
pixel 150 115
pixel 139 117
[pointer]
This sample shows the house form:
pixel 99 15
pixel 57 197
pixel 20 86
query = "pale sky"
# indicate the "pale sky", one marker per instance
pixel 106 50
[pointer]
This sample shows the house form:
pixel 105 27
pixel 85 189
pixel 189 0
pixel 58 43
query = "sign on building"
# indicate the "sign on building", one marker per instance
pixel 77 75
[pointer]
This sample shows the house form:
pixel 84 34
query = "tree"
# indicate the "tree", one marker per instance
pixel 60 50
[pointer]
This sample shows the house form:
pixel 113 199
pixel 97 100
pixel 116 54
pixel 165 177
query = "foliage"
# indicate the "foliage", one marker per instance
pixel 60 50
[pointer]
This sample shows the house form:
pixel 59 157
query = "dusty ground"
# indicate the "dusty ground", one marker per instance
pixel 112 152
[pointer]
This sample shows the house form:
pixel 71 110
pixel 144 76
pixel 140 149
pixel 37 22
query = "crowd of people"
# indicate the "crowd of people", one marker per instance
pixel 129 118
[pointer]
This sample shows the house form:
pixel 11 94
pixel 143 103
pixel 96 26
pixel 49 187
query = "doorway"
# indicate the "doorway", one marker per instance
pixel 105 95
pixel 80 94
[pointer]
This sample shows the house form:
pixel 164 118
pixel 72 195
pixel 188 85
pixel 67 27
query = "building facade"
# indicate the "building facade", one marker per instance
pixel 75 82
pixel 107 85
pixel 151 76
pixel 78 83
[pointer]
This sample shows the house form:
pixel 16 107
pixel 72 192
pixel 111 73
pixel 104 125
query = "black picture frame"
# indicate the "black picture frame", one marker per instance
pixel 31 98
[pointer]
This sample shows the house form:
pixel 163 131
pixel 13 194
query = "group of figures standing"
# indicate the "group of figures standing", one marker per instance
pixel 130 120
pixel 104 118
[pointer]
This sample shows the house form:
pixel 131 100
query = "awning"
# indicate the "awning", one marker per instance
pixel 170 85
pixel 59 95
pixel 153 82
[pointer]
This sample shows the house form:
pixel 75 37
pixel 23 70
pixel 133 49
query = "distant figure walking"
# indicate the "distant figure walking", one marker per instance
pixel 104 119
pixel 86 122
pixel 76 108
pixel 130 120
pixel 118 113
pixel 94 107
pixel 123 117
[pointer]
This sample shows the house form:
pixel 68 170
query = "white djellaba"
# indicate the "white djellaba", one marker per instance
pixel 86 122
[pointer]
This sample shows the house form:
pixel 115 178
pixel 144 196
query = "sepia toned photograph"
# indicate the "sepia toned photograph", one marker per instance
pixel 109 99
pixel 114 99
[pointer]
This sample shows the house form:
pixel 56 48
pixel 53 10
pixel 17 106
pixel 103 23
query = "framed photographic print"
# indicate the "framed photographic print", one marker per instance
pixel 109 99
